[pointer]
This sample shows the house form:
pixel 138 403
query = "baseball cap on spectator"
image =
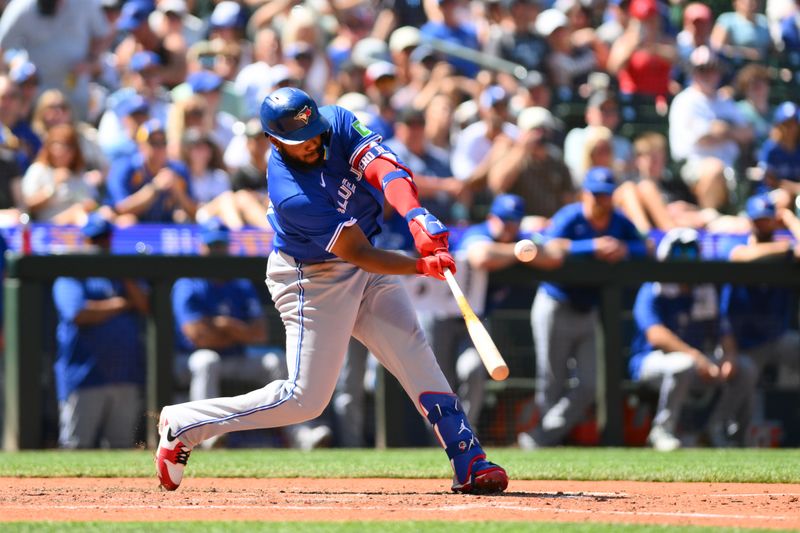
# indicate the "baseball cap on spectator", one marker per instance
pixel 369 50
pixel 354 102
pixel 492 96
pixel 704 58
pixel 279 74
pixel 135 103
pixel 643 9
pixel 380 69
pixel 213 231
pixel 697 11
pixel 22 71
pixel 143 60
pixel 96 226
pixel 423 53
pixel 227 14
pixel 534 117
pixel 404 37
pixel 760 206
pixel 508 207
pixel 786 111
pixel 549 21
pixel 252 128
pixel 204 81
pixel 133 14
pixel 679 243
pixel 178 7
pixel 148 129
pixel 599 180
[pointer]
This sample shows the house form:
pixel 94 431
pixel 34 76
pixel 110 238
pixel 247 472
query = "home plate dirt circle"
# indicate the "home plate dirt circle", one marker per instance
pixel 124 499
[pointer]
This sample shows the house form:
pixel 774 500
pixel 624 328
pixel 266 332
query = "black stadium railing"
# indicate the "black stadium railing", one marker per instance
pixel 28 276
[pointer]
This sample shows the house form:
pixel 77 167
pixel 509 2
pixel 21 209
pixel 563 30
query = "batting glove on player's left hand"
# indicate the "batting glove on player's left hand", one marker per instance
pixel 435 265
pixel 430 235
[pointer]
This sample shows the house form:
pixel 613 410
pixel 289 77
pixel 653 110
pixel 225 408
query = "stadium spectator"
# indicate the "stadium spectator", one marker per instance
pixel 643 56
pixel 662 201
pixel 698 21
pixel 533 169
pixel 602 109
pixel 250 80
pixel 301 42
pixel 706 132
pixel 759 315
pixel 249 182
pixel 565 318
pixel 218 324
pixel 55 187
pixel 568 63
pixel 393 14
pixel 742 36
pixel 26 76
pixel 148 186
pixel 480 145
pixel 448 25
pixel 99 366
pixel 140 37
pixel 52 109
pixel 402 43
pixel 515 39
pixel 752 84
pixel 779 157
pixel 28 143
pixel 63 40
pixel 439 122
pixel 11 199
pixel 670 347
pixel 614 22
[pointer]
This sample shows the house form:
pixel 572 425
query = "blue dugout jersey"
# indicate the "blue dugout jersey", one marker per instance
pixel 194 299
pixel 754 314
pixel 570 223
pixel 128 175
pixel 692 316
pixel 101 354
pixel 310 207
pixel 780 163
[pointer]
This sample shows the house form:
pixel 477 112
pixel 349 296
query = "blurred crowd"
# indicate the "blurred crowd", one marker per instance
pixel 519 118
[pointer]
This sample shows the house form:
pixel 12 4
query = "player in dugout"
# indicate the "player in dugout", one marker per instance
pixel 328 177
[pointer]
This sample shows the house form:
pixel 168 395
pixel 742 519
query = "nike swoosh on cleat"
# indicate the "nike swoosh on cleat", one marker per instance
pixel 170 436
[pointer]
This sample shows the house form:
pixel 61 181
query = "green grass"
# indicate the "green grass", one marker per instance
pixel 701 465
pixel 357 527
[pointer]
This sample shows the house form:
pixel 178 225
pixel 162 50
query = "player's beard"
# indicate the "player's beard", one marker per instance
pixel 299 163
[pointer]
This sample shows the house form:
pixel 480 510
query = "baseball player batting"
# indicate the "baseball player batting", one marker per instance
pixel 328 177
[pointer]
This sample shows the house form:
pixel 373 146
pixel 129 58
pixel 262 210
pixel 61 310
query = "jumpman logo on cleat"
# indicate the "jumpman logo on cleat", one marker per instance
pixel 463 427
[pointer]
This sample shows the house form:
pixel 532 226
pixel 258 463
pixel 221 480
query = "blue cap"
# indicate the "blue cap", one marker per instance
pixel 143 60
pixel 227 14
pixel 96 226
pixel 509 207
pixel 149 128
pixel 492 95
pixel 204 81
pixel 133 14
pixel 785 111
pixel 760 206
pixel 135 103
pixel 213 231
pixel 22 72
pixel 600 180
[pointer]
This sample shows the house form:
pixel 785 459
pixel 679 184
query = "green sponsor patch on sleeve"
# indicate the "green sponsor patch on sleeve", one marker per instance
pixel 361 129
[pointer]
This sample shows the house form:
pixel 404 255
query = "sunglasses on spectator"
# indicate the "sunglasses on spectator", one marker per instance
pixel 157 143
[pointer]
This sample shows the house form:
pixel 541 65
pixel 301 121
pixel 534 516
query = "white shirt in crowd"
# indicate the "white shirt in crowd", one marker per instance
pixel 472 146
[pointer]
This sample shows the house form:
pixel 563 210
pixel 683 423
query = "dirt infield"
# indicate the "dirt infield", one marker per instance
pixel 108 499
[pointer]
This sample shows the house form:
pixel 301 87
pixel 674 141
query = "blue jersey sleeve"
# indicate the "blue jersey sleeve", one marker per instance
pixel 69 296
pixel 118 180
pixel 187 303
pixel 562 226
pixel 353 138
pixel 630 235
pixel 645 310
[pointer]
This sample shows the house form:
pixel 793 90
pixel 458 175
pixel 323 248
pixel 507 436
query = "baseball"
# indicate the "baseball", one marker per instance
pixel 525 250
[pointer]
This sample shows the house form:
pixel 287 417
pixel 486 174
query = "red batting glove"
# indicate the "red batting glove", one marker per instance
pixel 430 235
pixel 435 265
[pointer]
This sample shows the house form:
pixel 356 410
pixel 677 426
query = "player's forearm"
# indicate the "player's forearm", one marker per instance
pixel 380 261
pixel 664 339
pixel 760 251
pixel 138 202
pixel 98 311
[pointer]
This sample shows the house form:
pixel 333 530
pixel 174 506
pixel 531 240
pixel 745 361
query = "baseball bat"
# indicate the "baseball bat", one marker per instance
pixel 484 344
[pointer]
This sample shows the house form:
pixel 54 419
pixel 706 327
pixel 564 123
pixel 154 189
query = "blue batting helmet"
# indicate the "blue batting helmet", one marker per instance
pixel 291 116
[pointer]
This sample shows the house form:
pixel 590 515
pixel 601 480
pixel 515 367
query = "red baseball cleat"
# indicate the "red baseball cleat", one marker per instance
pixel 485 478
pixel 170 458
